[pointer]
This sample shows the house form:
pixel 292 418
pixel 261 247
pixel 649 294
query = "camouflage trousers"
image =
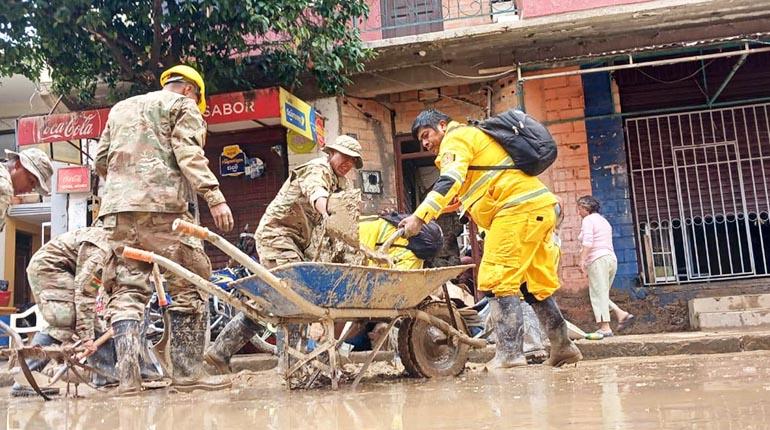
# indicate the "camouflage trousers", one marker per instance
pixel 54 292
pixel 276 251
pixel 128 281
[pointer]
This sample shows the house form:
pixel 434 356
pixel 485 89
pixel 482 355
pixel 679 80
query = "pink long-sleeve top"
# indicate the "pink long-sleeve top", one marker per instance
pixel 596 236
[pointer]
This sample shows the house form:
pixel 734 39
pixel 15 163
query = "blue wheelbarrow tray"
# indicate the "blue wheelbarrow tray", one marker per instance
pixel 342 286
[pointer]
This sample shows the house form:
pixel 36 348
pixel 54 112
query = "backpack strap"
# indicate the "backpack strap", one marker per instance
pixel 459 126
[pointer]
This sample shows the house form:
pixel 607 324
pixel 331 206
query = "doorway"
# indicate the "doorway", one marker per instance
pixel 22 294
pixel 248 198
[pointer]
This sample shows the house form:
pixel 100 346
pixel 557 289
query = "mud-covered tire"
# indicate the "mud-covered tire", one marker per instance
pixel 431 352
pixel 403 349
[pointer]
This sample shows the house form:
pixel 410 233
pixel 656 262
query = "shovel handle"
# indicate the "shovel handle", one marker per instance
pixel 138 254
pixel 189 229
pixel 388 243
pixel 159 289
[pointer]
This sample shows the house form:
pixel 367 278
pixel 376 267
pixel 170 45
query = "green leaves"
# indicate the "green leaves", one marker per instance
pixel 237 44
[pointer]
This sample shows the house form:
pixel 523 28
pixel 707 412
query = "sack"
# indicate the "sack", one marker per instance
pixel 427 243
pixel 526 140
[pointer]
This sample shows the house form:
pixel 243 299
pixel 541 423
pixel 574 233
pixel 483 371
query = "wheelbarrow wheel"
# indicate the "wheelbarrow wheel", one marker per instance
pixel 430 352
pixel 404 350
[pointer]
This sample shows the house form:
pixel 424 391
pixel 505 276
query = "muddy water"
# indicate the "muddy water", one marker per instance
pixel 730 391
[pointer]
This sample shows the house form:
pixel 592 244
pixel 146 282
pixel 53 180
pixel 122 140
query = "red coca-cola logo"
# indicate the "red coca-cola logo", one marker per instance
pixel 77 125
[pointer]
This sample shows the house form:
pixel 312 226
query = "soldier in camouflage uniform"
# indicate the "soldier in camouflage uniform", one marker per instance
pixel 62 275
pixel 285 232
pixel 151 154
pixel 24 172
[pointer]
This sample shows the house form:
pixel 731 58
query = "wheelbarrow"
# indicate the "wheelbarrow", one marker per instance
pixel 432 341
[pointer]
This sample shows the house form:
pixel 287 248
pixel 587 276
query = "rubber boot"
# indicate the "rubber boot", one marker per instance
pixel 36 365
pixel 231 339
pixel 563 350
pixel 128 348
pixel 534 337
pixel 509 331
pixel 187 341
pixel 104 360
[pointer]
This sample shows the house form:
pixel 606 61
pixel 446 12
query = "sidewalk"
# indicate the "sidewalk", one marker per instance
pixel 639 345
pixel 645 345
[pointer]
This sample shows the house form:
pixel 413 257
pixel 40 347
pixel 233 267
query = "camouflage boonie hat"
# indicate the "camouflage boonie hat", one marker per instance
pixel 348 146
pixel 36 162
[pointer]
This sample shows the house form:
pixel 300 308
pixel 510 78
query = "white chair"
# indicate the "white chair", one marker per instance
pixel 40 322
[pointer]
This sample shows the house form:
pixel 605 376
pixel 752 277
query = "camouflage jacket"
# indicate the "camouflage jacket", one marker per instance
pixel 151 154
pixel 290 218
pixel 6 193
pixel 81 255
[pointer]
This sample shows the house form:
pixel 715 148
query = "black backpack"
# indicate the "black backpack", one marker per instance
pixel 428 241
pixel 526 140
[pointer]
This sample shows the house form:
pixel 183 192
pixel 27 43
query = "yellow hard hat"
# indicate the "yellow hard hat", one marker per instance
pixel 189 74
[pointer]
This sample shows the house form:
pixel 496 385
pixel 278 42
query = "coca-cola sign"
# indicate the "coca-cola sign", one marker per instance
pixel 73 179
pixel 62 127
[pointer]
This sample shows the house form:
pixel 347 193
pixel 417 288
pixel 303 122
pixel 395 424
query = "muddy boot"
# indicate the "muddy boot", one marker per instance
pixel 232 338
pixel 188 337
pixel 36 365
pixel 534 338
pixel 563 350
pixel 509 331
pixel 149 366
pixel 128 348
pixel 104 361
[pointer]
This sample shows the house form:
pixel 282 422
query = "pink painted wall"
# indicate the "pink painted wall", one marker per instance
pixel 534 8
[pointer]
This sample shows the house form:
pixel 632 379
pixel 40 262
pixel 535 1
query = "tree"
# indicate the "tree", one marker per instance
pixel 237 44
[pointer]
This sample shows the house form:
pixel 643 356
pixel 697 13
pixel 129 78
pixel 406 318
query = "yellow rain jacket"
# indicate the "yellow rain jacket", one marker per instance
pixel 516 209
pixel 373 231
pixel 464 159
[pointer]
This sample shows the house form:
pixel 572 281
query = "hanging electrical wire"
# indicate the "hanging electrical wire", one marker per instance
pixel 485 77
pixel 662 81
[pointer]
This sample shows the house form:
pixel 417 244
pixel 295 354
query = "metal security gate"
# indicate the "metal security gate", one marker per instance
pixel 700 193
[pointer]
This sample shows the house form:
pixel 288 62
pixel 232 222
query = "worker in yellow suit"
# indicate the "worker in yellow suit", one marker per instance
pixel 518 212
pixel 406 254
pixel 374 231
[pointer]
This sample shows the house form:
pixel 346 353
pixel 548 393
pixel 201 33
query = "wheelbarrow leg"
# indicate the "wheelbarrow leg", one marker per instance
pixel 334 373
pixel 374 352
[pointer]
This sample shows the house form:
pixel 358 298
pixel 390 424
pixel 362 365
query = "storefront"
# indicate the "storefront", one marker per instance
pixel 252 135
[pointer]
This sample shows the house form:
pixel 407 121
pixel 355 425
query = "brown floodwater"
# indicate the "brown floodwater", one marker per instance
pixel 726 391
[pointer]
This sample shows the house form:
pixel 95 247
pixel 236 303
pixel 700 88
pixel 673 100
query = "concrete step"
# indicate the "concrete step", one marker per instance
pixel 730 303
pixel 731 319
pixel 748 310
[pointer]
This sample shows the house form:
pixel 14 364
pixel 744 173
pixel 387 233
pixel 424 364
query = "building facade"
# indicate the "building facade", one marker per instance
pixel 659 109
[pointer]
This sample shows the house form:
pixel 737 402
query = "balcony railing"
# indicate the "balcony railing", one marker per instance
pixel 396 18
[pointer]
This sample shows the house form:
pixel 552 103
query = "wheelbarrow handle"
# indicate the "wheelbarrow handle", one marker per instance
pixel 138 254
pixel 190 229
pixel 246 261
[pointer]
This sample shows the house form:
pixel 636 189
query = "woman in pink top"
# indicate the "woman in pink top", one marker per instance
pixel 598 261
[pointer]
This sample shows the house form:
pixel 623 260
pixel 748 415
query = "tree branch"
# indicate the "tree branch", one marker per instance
pixel 157 36
pixel 117 54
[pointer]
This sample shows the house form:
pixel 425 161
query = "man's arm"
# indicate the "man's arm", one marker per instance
pixel 453 159
pixel 100 162
pixel 315 182
pixel 6 194
pixel 187 140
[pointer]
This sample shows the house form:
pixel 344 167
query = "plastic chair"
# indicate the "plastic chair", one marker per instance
pixel 40 322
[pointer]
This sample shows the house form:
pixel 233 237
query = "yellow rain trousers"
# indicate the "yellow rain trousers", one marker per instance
pixel 519 248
